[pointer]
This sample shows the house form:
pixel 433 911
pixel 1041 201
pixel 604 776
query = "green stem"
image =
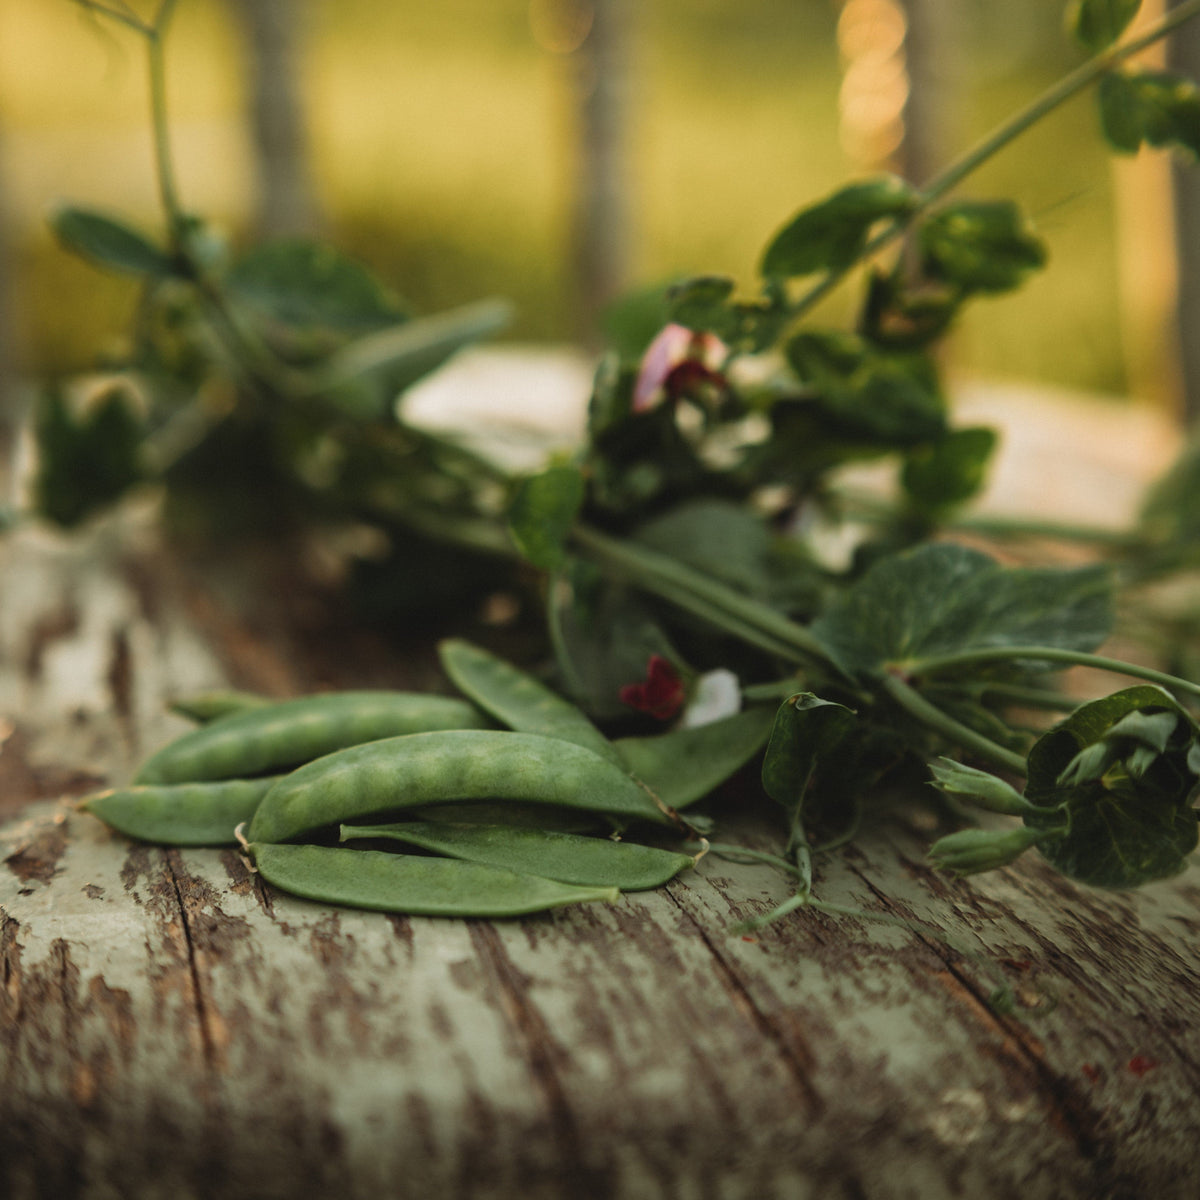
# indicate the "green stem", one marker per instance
pixel 1074 658
pixel 705 597
pixel 156 61
pixel 951 176
pixel 913 703
pixel 1015 693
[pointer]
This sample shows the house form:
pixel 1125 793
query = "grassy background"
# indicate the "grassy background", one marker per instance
pixel 443 150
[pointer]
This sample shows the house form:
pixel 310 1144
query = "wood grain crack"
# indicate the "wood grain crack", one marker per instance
pixel 207 1041
pixel 793 1052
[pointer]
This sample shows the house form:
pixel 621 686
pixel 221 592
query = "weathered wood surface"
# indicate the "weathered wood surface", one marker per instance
pixel 171 1027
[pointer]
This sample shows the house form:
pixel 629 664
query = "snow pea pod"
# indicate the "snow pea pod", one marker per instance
pixel 518 700
pixel 408 883
pixel 275 737
pixel 181 814
pixel 567 857
pixel 684 765
pixel 211 705
pixel 446 766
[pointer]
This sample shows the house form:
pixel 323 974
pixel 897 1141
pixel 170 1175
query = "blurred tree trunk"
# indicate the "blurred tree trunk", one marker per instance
pixel 1184 56
pixel 932 51
pixel 9 367
pixel 601 222
pixel 286 198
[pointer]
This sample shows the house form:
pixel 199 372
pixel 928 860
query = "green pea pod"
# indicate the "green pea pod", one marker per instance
pixel 446 766
pixel 567 857
pixel 408 883
pixel 203 707
pixel 518 700
pixel 685 765
pixel 277 737
pixel 181 814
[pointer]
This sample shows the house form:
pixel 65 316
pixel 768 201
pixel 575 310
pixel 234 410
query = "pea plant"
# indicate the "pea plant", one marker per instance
pixel 691 622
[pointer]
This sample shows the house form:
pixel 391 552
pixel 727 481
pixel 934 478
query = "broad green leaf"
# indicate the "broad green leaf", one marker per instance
pixel 1170 516
pixel 726 540
pixel 980 246
pixel 867 395
pixel 830 235
pixel 1098 23
pixel 308 285
pixel 805 739
pixel 109 242
pixel 949 471
pixel 942 598
pixel 902 316
pixel 1125 826
pixel 701 303
pixel 542 513
pixel 1154 107
pixel 88 454
pixel 684 765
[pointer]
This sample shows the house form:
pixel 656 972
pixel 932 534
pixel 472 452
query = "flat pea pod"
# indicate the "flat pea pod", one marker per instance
pixel 181 814
pixel 215 703
pixel 686 764
pixel 567 857
pixel 276 737
pixel 443 767
pixel 409 883
pixel 518 700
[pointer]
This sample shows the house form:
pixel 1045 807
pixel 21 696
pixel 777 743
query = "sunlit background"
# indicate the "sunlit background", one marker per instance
pixel 446 144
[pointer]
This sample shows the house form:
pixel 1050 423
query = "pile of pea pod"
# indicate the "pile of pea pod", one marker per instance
pixel 514 801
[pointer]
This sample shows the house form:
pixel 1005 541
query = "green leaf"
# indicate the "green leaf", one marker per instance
pixel 866 395
pixel 89 454
pixel 950 470
pixel 542 514
pixel 308 286
pixel 980 246
pixel 830 235
pixel 940 599
pixel 1154 107
pixel 1126 803
pixel 1099 23
pixel 109 242
pixel 701 303
pixel 684 765
pixel 806 736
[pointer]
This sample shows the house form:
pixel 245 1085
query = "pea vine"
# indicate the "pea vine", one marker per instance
pixel 671 550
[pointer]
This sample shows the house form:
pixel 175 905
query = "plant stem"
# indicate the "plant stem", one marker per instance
pixel 1015 693
pixel 706 598
pixel 156 61
pixel 913 703
pixel 1075 658
pixel 951 176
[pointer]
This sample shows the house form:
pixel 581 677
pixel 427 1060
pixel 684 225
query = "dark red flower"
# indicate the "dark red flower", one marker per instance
pixel 679 362
pixel 662 694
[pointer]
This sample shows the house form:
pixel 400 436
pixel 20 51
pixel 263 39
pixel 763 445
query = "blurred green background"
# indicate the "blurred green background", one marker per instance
pixel 443 147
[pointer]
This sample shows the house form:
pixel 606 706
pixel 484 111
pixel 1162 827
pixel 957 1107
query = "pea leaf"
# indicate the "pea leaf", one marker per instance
pixel 306 285
pixel 88 454
pixel 980 246
pixel 700 303
pixel 1098 23
pixel 866 395
pixel 542 512
pixel 808 732
pixel 942 598
pixel 1122 771
pixel 830 235
pixel 949 471
pixel 1154 107
pixel 109 242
